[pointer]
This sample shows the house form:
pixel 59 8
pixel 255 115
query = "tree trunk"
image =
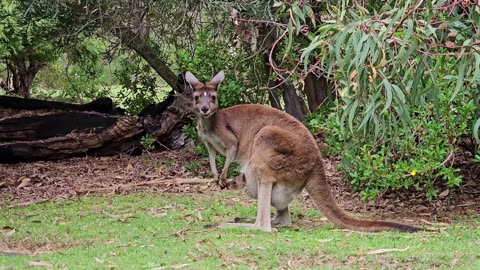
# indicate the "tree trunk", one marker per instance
pixel 316 90
pixel 23 73
pixel 294 105
pixel 133 41
pixel 274 98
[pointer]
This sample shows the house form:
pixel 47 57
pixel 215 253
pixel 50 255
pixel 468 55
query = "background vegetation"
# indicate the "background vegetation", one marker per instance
pixel 393 85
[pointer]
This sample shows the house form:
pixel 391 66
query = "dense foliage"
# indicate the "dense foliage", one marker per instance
pixel 407 75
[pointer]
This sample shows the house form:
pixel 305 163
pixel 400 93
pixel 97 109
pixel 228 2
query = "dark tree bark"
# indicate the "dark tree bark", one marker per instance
pixel 74 143
pixel 274 96
pixel 101 105
pixel 294 105
pixel 23 71
pixel 274 93
pixel 316 90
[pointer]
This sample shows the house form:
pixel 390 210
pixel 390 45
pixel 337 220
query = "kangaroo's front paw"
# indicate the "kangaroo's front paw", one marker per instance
pixel 215 177
pixel 222 182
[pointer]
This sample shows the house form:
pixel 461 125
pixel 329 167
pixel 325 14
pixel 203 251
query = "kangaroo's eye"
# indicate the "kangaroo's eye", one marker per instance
pixel 196 98
pixel 213 98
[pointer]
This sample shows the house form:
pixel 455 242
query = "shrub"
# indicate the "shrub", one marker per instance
pixel 139 84
pixel 414 156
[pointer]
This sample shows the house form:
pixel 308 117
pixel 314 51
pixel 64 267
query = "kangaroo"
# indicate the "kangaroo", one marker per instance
pixel 278 158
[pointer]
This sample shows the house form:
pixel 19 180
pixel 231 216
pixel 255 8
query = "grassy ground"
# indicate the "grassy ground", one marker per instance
pixel 170 231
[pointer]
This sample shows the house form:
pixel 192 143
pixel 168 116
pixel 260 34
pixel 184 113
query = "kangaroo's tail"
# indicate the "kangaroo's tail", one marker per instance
pixel 318 188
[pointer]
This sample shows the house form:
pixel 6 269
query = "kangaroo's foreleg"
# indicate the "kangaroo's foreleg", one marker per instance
pixel 230 155
pixel 212 154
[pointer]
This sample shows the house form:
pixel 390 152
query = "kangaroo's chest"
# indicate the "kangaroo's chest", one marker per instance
pixel 212 139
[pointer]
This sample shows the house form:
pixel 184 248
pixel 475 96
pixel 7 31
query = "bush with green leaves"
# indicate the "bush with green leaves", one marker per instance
pixel 76 76
pixel 148 142
pixel 407 76
pixel 210 55
pixel 139 84
pixel 418 156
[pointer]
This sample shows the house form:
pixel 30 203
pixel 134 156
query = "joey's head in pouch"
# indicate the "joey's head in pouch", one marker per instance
pixel 205 102
pixel 238 183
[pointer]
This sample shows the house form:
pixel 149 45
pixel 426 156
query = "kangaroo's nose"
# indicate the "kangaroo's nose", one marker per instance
pixel 204 109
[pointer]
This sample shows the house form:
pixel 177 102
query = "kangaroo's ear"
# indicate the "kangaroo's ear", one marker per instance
pixel 218 79
pixel 190 78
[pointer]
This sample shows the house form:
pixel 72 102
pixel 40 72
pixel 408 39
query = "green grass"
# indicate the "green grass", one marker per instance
pixel 168 230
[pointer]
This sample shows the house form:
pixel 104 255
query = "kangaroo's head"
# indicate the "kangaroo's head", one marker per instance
pixel 205 102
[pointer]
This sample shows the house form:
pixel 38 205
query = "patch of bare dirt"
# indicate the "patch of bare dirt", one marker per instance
pixel 26 247
pixel 184 171
pixel 36 182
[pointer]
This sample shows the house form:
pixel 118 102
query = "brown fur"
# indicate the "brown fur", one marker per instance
pixel 278 156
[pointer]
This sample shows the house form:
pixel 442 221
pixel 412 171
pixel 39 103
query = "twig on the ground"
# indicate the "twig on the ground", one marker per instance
pixel 28 203
pixel 163 181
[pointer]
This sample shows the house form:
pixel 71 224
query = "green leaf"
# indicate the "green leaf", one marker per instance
pixel 459 85
pixel 411 48
pixel 369 112
pixel 339 42
pixel 476 130
pixel 377 127
pixel 297 11
pixel 431 31
pixel 397 14
pixel 409 31
pixel 313 45
pixel 476 73
pixel 465 45
pixel 402 114
pixel 298 26
pixel 351 113
pixel 290 36
pixel 310 14
pixel 418 76
pixel 365 45
pixel 331 59
pixel 399 95
pixel 388 93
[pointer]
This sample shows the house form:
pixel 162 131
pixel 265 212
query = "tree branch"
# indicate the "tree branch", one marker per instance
pixel 134 42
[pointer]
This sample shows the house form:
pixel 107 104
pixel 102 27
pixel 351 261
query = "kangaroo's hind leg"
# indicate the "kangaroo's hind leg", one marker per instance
pixel 262 220
pixel 281 197
pixel 281 158
pixel 273 165
pixel 262 192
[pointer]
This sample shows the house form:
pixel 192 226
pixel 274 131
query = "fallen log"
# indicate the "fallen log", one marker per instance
pixel 70 144
pixel 33 129
pixel 101 105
